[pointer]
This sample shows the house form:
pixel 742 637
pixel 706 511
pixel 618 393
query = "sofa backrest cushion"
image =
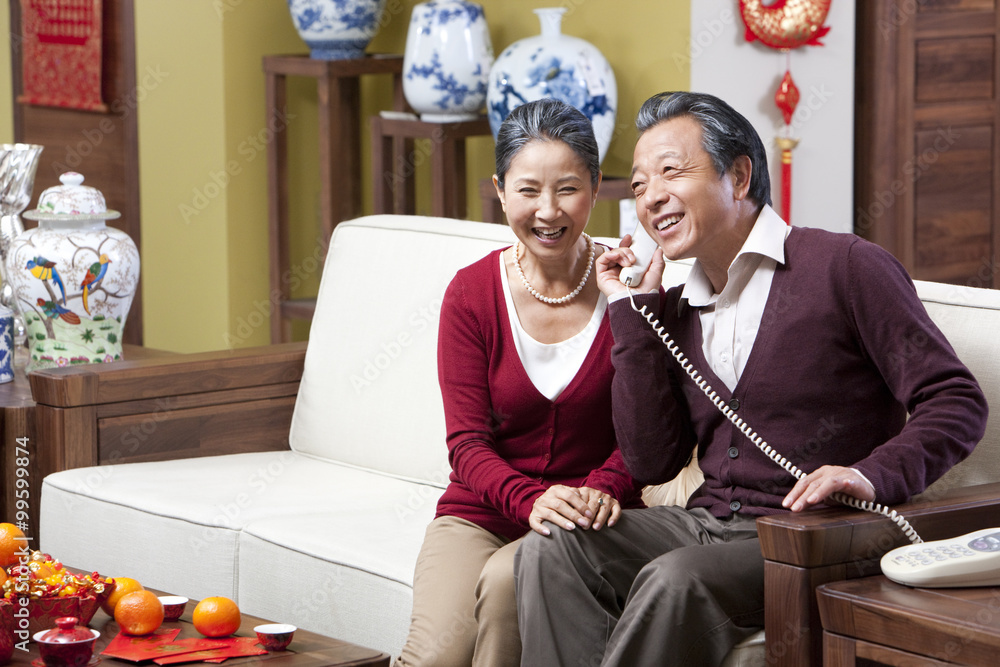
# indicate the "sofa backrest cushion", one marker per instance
pixel 970 319
pixel 369 395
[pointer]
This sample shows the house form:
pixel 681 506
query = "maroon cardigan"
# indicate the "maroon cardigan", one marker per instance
pixel 845 350
pixel 506 442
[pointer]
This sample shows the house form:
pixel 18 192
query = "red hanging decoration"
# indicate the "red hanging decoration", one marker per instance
pixel 786 98
pixel 785 25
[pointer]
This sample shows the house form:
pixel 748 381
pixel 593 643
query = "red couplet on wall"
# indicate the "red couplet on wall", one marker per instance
pixel 61 52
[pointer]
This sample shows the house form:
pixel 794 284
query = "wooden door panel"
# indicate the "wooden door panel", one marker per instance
pixel 953 201
pixel 927 144
pixel 955 69
pixel 955 5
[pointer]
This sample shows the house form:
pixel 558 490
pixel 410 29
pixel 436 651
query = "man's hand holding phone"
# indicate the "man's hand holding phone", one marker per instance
pixel 636 249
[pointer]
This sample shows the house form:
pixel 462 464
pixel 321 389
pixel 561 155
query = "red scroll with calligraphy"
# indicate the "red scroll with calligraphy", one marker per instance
pixel 62 53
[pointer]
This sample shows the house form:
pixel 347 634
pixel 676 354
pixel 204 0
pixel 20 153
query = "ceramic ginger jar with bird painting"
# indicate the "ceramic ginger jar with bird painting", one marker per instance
pixel 74 277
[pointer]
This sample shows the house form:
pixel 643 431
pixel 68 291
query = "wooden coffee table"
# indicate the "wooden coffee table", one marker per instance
pixel 874 619
pixel 307 649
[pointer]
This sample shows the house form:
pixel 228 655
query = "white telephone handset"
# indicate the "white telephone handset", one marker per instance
pixel 643 245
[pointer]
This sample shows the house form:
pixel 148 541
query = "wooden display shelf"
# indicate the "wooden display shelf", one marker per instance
pixel 339 99
pixel 394 162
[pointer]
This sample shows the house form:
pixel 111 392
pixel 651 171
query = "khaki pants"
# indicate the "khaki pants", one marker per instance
pixel 464 611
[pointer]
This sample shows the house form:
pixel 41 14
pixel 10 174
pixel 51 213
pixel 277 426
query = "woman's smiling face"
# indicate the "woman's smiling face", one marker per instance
pixel 547 196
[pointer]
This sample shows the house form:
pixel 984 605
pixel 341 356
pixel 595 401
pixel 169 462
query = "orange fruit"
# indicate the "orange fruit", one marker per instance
pixel 12 541
pixel 139 612
pixel 123 586
pixel 216 617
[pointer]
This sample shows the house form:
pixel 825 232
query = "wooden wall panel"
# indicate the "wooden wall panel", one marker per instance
pixel 928 136
pixel 953 202
pixel 956 5
pixel 950 70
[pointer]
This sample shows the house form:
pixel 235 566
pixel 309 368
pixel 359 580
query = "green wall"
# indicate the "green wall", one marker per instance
pixel 202 139
pixel 6 92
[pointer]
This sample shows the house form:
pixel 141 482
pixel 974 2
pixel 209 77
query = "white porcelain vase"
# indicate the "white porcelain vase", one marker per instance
pixel 74 277
pixel 447 60
pixel 336 29
pixel 554 65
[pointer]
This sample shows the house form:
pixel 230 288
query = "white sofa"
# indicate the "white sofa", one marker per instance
pixel 322 531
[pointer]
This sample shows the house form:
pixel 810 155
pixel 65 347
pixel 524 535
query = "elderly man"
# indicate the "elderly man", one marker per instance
pixel 799 331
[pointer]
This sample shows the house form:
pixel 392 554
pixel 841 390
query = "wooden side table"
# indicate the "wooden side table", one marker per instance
pixel 874 619
pixel 338 86
pixel 612 187
pixel 394 162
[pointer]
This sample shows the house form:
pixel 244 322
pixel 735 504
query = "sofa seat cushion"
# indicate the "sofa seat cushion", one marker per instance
pixel 176 525
pixel 347 573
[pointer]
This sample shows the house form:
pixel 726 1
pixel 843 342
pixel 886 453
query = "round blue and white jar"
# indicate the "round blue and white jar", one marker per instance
pixel 554 65
pixel 336 29
pixel 447 60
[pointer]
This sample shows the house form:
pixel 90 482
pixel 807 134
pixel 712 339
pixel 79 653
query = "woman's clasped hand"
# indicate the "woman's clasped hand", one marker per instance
pixel 569 507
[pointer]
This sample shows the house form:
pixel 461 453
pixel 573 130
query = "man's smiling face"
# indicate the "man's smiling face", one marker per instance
pixel 681 199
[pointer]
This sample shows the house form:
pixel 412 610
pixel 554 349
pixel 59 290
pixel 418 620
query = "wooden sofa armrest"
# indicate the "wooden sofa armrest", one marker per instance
pixel 171 407
pixel 804 550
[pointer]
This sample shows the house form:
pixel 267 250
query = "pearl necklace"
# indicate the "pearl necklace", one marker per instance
pixel 571 295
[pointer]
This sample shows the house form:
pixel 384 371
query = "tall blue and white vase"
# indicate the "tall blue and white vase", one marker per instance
pixel 554 65
pixel 447 60
pixel 336 29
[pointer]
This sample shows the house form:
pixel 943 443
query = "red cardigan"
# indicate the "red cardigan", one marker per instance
pixel 506 442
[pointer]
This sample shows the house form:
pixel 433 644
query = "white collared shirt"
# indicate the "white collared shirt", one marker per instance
pixel 730 320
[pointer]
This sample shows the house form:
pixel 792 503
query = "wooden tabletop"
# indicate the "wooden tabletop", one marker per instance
pixel 947 625
pixel 307 649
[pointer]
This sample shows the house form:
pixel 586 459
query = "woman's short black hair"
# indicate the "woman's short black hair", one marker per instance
pixel 546 120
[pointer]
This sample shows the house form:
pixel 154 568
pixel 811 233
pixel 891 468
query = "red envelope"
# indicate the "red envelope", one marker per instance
pixel 161 643
pixel 232 647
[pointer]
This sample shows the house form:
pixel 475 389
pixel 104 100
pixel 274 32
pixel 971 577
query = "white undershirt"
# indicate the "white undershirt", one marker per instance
pixel 731 319
pixel 551 366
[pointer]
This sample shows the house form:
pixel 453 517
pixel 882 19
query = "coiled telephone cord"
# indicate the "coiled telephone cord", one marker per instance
pixel 752 435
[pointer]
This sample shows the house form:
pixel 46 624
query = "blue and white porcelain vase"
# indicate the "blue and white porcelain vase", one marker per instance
pixel 336 29
pixel 554 65
pixel 447 60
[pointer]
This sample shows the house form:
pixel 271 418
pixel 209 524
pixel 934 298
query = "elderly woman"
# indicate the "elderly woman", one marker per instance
pixel 525 371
